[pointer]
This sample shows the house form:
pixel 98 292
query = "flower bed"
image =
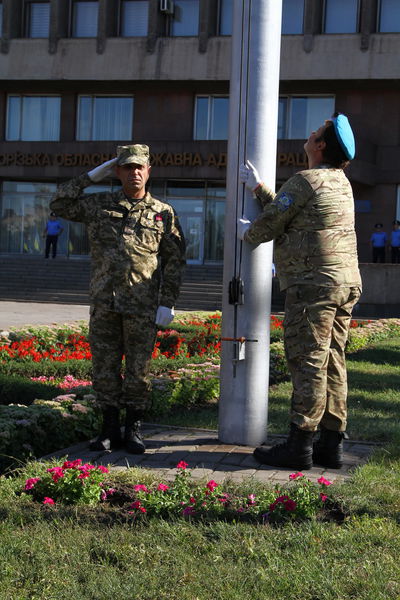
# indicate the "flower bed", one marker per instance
pixel 185 374
pixel 73 482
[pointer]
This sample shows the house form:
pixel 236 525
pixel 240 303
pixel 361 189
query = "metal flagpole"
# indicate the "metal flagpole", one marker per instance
pixel 253 119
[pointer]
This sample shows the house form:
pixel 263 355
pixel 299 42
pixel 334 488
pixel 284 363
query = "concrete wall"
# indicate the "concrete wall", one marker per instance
pixel 381 291
pixel 179 59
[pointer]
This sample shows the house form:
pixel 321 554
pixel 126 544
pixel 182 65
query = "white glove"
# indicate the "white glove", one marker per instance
pixel 242 227
pixel 249 175
pixel 164 316
pixel 102 171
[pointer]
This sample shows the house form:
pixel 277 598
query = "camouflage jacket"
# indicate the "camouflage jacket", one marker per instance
pixel 311 219
pixel 137 249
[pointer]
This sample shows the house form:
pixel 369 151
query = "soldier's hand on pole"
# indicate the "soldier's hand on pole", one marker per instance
pixel 164 316
pixel 242 227
pixel 104 170
pixel 249 175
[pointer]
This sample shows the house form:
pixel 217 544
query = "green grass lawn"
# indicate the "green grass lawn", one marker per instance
pixel 83 553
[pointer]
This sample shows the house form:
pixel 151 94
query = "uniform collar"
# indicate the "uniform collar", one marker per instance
pixel 128 203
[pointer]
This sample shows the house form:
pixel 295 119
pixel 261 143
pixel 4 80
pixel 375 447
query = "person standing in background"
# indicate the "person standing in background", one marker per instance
pixel 395 242
pixel 52 230
pixel 378 244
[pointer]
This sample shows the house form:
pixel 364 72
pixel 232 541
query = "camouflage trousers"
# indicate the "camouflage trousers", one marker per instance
pixel 316 326
pixel 113 335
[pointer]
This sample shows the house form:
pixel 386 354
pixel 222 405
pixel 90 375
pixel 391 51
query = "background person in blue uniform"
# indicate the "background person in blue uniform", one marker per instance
pixel 395 242
pixel 378 241
pixel 52 230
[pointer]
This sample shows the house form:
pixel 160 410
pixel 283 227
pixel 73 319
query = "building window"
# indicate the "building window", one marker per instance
pixel 341 16
pixel 24 211
pixel 105 118
pixel 211 118
pixel 84 19
pixel 292 16
pixel 185 20
pixel 134 18
pixel 33 118
pixel 300 115
pixel 225 17
pixel 38 19
pixel 389 16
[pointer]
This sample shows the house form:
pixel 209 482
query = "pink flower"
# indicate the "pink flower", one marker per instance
pixel 223 498
pixel 103 469
pixel 192 500
pixel 83 475
pixel 251 499
pixel 162 487
pixel 140 488
pixel 324 481
pixel 136 504
pixel 72 464
pixel 57 473
pixel 287 503
pixel 30 483
pixel 211 485
pixel 324 497
pixel 296 475
pixel 142 509
pixel 48 500
pixel 182 465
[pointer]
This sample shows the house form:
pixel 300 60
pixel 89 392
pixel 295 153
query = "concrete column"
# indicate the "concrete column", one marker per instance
pixel 253 117
pixel 368 22
pixel 208 16
pixel 12 23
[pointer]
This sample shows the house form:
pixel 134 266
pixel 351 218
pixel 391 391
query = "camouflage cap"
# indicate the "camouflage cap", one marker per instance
pixel 137 153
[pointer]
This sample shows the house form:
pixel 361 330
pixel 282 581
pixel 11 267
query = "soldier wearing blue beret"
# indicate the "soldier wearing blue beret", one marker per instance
pixel 311 220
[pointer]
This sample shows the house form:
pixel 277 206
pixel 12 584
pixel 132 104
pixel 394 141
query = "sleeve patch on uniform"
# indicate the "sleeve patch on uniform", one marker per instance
pixel 283 202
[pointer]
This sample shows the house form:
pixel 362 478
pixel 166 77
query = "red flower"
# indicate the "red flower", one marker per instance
pixel 295 475
pixel 182 465
pixel 211 485
pixel 47 500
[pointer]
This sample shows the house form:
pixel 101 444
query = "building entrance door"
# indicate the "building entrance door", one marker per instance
pixel 191 217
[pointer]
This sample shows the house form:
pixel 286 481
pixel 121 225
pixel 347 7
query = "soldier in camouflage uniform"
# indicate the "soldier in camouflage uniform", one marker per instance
pixel 311 220
pixel 137 253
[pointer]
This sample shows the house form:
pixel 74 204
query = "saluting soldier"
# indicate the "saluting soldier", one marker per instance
pixel 311 220
pixel 137 261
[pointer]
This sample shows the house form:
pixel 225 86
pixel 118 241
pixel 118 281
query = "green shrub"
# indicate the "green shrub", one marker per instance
pixel 20 390
pixel 81 369
pixel 45 426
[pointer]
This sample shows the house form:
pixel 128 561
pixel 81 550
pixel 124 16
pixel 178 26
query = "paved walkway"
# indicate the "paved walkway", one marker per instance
pixel 18 314
pixel 207 457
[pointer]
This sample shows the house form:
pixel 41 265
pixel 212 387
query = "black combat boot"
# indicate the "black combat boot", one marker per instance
pixel 295 453
pixel 133 441
pixel 328 450
pixel 110 435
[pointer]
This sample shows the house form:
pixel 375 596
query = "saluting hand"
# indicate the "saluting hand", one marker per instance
pixel 102 171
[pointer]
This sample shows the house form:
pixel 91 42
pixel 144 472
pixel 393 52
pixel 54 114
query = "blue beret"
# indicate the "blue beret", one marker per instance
pixel 344 134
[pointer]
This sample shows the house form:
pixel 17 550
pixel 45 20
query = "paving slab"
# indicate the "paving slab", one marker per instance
pixel 166 446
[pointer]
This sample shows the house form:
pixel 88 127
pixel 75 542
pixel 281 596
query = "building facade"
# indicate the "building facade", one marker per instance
pixel 79 78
